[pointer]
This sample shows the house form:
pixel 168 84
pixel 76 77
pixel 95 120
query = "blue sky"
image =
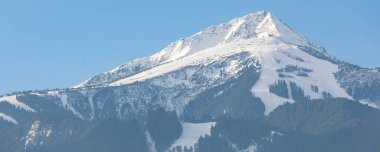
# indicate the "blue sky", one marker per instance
pixel 59 43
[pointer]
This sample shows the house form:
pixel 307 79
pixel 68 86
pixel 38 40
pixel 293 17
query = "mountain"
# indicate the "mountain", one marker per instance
pixel 252 26
pixel 251 71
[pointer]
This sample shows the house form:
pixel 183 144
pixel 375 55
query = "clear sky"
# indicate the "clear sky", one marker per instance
pixel 59 43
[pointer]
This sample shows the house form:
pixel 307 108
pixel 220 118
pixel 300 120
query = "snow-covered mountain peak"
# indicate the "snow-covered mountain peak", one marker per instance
pixel 260 25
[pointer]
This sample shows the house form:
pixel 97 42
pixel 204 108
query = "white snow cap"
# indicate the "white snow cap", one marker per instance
pixel 260 24
pixel 251 26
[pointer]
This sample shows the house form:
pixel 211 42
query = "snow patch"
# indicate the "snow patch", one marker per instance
pixel 275 133
pixel 233 67
pixel 67 105
pixel 151 143
pixel 219 93
pixel 31 135
pixel 234 28
pixel 192 132
pixel 274 58
pixel 251 148
pixel 8 118
pixel 368 103
pixel 89 93
pixel 37 134
pixel 13 101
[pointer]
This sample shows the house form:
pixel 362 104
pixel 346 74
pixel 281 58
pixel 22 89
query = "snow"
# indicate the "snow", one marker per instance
pixel 32 134
pixel 89 93
pixel 8 118
pixel 13 101
pixel 275 133
pixel 219 93
pixel 271 26
pixel 251 148
pixel 48 132
pixel 91 102
pixel 234 29
pixel 237 29
pixel 151 143
pixel 170 81
pixel 278 56
pixel 192 132
pixel 233 67
pixel 67 105
pixel 36 134
pixel 369 103
pixel 204 57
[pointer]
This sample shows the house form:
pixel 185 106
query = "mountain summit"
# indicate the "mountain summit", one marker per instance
pixel 259 25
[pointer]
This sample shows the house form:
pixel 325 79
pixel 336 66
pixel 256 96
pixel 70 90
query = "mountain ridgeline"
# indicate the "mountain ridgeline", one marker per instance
pixel 248 85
